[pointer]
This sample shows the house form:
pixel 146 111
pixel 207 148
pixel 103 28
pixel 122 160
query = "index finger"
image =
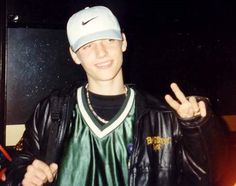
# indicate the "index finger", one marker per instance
pixel 178 93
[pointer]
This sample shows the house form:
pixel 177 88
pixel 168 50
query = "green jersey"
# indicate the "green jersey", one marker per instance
pixel 97 154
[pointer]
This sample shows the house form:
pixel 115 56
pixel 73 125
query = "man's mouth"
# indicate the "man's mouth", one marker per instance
pixel 105 64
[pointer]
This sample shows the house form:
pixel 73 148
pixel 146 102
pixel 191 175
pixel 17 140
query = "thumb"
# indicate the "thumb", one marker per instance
pixel 53 168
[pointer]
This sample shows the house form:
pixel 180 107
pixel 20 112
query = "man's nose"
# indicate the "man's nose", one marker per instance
pixel 101 49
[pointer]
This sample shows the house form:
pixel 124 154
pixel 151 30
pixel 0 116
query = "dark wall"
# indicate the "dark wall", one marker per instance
pixel 201 63
pixel 191 43
pixel 38 62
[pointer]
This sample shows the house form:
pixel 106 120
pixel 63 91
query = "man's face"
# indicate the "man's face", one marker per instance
pixel 102 59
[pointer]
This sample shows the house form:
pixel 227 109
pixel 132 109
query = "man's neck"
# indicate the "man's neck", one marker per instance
pixel 107 87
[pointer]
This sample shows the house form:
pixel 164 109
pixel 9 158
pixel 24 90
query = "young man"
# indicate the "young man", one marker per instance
pixel 109 133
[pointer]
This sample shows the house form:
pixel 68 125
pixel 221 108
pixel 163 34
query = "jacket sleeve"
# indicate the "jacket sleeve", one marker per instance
pixel 203 148
pixel 32 144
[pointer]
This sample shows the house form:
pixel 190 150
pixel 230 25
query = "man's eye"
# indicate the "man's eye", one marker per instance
pixel 111 40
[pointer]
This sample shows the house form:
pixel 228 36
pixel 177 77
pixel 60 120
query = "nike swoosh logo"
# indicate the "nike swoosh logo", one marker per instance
pixel 85 22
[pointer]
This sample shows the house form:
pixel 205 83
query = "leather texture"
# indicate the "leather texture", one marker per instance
pixel 167 151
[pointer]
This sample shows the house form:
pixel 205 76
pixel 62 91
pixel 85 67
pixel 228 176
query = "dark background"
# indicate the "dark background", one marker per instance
pixel 190 42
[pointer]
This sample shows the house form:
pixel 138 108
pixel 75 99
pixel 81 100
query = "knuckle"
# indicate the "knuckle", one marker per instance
pixel 192 98
pixel 29 168
pixel 35 162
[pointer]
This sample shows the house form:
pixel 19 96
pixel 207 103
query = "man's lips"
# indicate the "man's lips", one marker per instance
pixel 105 64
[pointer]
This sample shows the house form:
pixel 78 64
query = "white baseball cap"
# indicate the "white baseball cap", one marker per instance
pixel 90 24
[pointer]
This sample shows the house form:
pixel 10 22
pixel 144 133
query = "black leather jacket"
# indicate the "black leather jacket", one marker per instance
pixel 167 151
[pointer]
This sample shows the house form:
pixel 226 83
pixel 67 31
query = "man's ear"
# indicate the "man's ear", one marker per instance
pixel 74 57
pixel 124 43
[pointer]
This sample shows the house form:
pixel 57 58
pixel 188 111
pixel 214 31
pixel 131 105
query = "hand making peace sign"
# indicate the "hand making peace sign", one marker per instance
pixel 186 107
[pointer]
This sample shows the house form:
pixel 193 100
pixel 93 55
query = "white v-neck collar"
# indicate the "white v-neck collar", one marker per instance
pixel 111 125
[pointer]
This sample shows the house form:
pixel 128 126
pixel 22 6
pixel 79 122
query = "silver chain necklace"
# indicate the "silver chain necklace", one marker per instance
pixel 91 108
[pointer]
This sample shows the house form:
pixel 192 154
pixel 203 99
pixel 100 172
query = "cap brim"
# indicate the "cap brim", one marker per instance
pixel 107 34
